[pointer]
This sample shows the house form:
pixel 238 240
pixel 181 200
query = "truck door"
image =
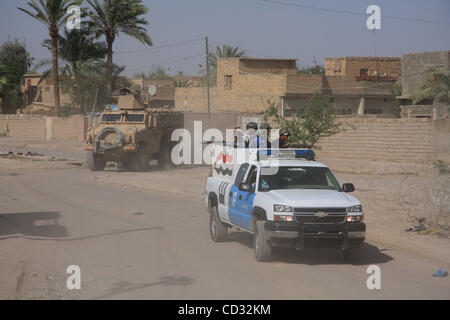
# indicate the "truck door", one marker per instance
pixel 241 202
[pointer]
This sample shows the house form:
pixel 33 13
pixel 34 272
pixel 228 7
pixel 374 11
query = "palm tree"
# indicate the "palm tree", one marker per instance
pixel 77 51
pixel 224 52
pixel 109 17
pixel 52 13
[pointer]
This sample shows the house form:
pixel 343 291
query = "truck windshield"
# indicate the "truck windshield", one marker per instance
pixel 134 118
pixel 299 178
pixel 114 117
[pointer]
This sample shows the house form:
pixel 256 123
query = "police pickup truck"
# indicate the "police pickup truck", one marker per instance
pixel 284 198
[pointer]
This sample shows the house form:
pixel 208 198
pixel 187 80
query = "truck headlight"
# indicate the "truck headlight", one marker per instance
pixel 355 209
pixel 281 208
pixel 354 214
pixel 355 218
pixel 277 217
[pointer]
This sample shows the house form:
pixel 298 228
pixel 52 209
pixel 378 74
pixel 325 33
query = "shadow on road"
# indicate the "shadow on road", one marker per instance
pixel 370 254
pixel 37 224
pixel 124 286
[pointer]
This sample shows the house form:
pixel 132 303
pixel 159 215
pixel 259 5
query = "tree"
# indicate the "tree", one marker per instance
pixel 110 17
pixel 225 52
pixel 182 83
pixel 315 69
pixel 436 88
pixel 15 61
pixel 312 122
pixel 52 13
pixel 157 73
pixel 77 53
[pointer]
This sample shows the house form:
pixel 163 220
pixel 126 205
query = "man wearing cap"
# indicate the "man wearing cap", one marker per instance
pixel 284 137
pixel 251 136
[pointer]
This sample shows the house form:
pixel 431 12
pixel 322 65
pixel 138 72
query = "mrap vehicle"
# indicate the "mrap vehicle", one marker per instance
pixel 284 198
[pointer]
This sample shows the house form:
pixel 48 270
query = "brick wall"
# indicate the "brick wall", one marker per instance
pixel 25 126
pixel 351 66
pixel 72 128
pixel 385 139
pixel 43 128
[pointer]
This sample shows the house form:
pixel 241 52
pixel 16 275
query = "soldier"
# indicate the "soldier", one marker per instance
pixel 266 127
pixel 251 135
pixel 284 137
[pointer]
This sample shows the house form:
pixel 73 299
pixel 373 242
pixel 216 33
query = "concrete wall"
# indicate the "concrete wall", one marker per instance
pixel 414 66
pixel 415 140
pixel 43 128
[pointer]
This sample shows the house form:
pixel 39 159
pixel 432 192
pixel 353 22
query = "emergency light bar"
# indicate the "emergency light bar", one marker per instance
pixel 306 154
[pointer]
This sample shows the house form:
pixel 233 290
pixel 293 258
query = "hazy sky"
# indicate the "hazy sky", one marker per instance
pixel 263 29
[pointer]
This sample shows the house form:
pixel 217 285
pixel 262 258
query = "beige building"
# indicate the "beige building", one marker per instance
pixel 249 85
pixel 360 66
pixel 38 94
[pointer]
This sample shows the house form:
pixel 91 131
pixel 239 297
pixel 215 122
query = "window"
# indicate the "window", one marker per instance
pixel 134 118
pixel 228 82
pixel 241 174
pixel 299 178
pixel 111 118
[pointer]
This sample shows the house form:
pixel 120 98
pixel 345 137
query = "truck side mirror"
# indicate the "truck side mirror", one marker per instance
pixel 348 187
pixel 245 187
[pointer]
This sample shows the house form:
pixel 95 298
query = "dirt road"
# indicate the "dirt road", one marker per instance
pixel 132 243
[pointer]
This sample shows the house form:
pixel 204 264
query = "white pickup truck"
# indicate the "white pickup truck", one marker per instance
pixel 285 199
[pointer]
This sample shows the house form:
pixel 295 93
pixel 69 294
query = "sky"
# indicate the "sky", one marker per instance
pixel 262 28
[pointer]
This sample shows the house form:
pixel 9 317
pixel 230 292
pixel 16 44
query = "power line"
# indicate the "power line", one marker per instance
pixel 166 62
pixel 160 47
pixel 289 4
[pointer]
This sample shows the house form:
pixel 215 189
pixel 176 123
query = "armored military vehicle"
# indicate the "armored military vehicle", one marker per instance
pixel 132 135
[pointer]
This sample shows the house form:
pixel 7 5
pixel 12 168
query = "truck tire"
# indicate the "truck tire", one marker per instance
pixel 96 162
pixel 262 247
pixel 164 156
pixel 352 254
pixel 139 160
pixel 217 229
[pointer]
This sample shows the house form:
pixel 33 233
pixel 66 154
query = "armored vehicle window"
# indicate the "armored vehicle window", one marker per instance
pixel 134 118
pixel 111 118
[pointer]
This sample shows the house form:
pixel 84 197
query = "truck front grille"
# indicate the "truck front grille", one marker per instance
pixel 320 215
pixel 317 219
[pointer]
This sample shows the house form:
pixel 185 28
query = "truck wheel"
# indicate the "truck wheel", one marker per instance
pixel 352 254
pixel 123 165
pixel 217 229
pixel 262 247
pixel 96 162
pixel 139 160
pixel 164 156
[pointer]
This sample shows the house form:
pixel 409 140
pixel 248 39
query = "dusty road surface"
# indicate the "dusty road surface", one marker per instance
pixel 145 235
pixel 141 244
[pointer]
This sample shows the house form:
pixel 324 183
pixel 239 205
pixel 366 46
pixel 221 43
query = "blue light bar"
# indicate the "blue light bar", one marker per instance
pixel 287 153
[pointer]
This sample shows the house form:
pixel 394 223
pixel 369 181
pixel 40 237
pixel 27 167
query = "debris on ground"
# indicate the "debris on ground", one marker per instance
pixel 418 224
pixel 441 273
pixel 19 155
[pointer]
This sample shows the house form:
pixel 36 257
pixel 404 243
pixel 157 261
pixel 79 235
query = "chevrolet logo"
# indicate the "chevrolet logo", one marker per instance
pixel 321 214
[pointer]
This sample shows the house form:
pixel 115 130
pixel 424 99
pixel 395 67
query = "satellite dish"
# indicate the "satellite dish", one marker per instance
pixel 152 90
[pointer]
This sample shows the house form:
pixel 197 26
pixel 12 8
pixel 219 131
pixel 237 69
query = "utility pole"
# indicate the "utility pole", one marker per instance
pixel 207 81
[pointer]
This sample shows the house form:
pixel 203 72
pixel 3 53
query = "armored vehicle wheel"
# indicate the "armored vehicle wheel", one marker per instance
pixel 124 165
pixel 164 160
pixel 139 160
pixel 352 254
pixel 96 162
pixel 263 249
pixel 217 229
